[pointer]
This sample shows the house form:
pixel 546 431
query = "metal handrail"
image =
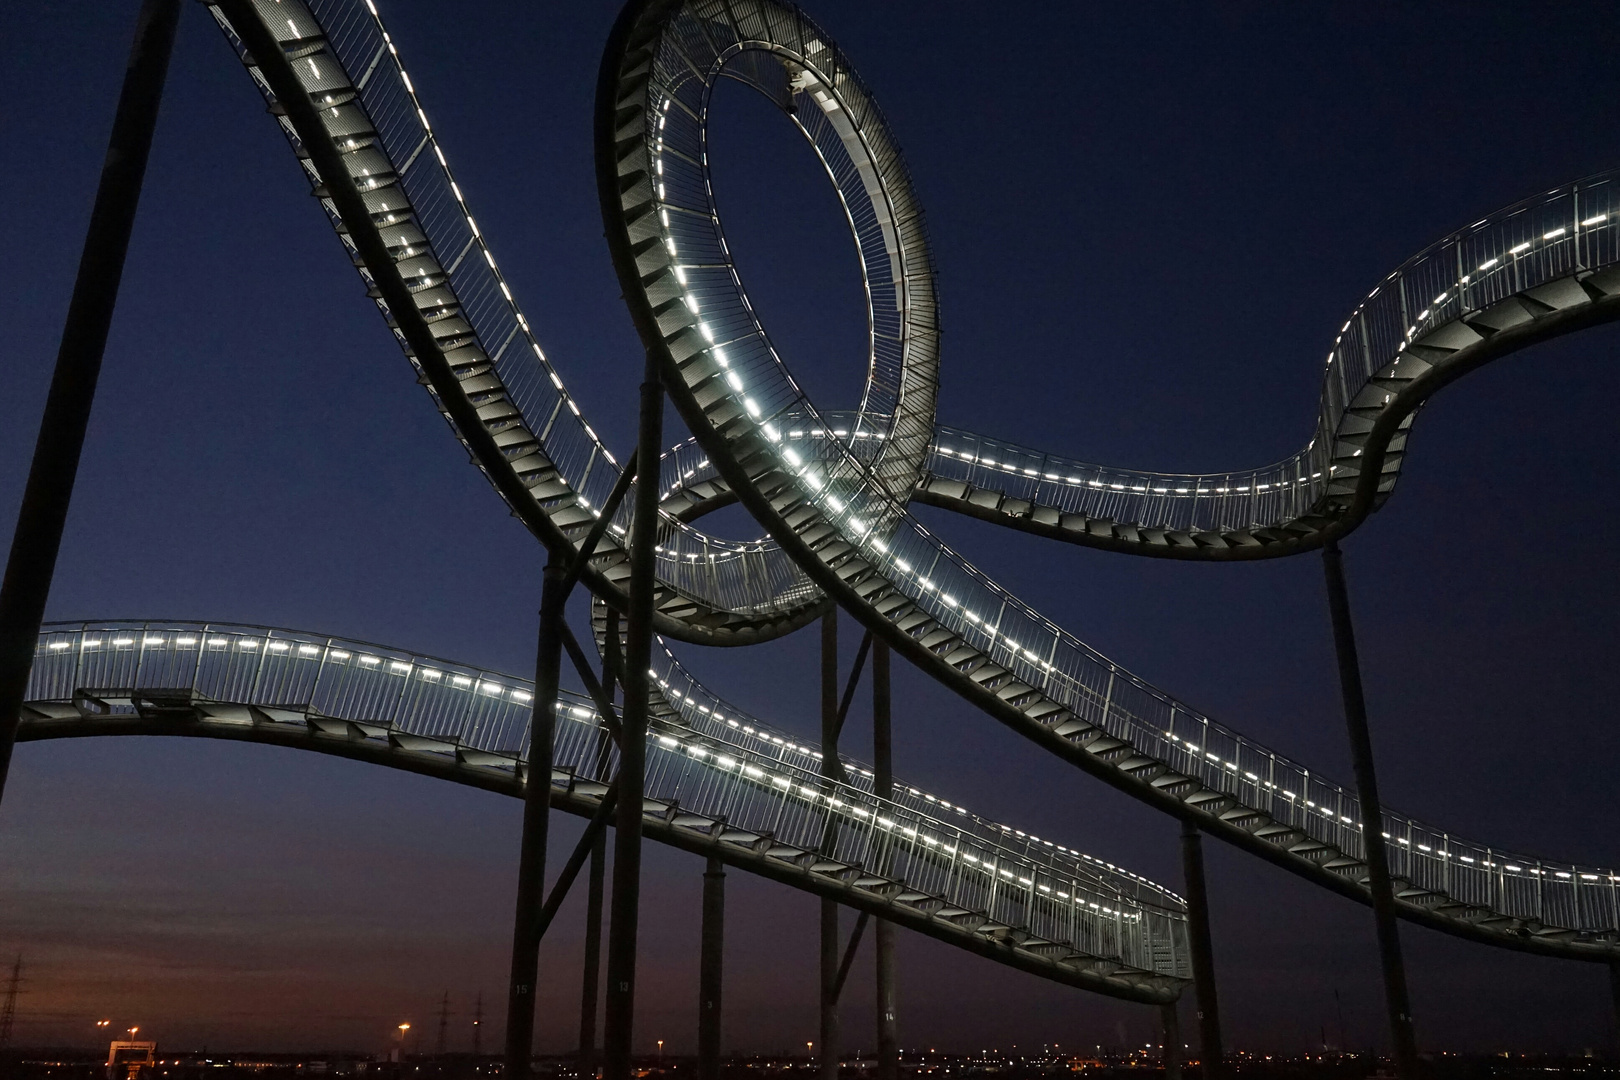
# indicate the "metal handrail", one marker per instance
pixel 718 772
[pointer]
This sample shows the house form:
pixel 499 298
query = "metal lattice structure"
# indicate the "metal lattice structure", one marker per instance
pixel 722 783
pixel 832 491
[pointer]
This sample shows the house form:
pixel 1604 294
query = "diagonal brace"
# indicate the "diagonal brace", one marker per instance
pixel 854 680
pixel 849 955
pixel 592 686
pixel 587 547
pixel 582 851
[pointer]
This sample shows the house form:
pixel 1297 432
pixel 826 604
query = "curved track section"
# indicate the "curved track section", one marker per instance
pixel 724 784
pixel 856 541
pixel 837 522
pixel 1542 268
pixel 332 75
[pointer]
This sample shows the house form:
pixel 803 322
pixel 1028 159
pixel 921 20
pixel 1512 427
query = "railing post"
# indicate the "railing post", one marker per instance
pixel 526 928
pixel 618 1030
pixel 830 768
pixel 711 955
pixel 888 1038
pixel 1374 850
pixel 590 984
pixel 1211 1052
pixel 1170 1017
pixel 55 466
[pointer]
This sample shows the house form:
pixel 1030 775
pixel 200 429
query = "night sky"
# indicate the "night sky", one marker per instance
pixel 1148 220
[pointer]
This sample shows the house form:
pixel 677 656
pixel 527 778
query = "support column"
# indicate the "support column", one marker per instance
pixel 1211 1052
pixel 526 923
pixel 43 514
pixel 1170 1017
pixel 832 769
pixel 888 1036
pixel 590 988
pixel 711 955
pixel 1396 999
pixel 1614 995
pixel 618 1031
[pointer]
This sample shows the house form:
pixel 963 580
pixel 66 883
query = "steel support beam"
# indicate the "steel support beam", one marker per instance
pixel 1396 999
pixel 711 958
pixel 832 769
pixel 827 1063
pixel 853 682
pixel 888 1035
pixel 590 984
pixel 604 519
pixel 1614 997
pixel 1211 1052
pixel 624 911
pixel 596 827
pixel 49 490
pixel 1170 1017
pixel 528 923
pixel 850 950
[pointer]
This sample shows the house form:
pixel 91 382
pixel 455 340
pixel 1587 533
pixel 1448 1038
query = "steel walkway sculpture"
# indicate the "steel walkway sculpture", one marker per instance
pixel 837 520
pixel 718 782
pixel 832 490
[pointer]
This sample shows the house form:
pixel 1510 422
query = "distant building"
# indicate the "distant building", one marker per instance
pixel 130 1060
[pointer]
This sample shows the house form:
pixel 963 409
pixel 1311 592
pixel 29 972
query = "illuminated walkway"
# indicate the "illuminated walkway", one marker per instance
pixel 832 493
pixel 718 783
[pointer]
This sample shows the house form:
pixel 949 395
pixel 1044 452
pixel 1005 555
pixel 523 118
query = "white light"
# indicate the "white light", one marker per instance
pixel 1522 247
pixel 61 645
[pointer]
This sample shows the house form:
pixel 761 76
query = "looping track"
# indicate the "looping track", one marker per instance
pixel 1533 271
pixel 832 495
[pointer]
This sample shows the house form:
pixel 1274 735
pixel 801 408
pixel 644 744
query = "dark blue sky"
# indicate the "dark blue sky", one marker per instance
pixel 1149 219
